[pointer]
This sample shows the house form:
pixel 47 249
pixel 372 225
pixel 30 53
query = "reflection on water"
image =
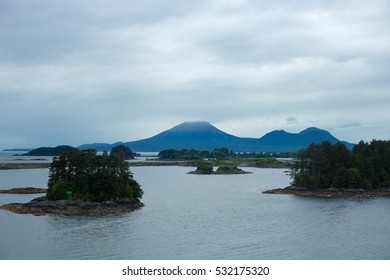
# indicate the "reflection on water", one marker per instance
pixel 207 217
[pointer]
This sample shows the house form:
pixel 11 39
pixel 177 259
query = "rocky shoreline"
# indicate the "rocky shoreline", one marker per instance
pixel 41 206
pixel 329 192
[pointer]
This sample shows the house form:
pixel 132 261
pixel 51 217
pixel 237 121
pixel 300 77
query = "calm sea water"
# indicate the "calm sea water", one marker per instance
pixel 201 217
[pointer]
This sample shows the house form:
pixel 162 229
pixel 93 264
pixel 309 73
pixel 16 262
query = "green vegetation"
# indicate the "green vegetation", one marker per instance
pixel 207 168
pixel 268 163
pixel 366 166
pixel 222 153
pixel 267 155
pixel 225 157
pixel 49 151
pixel 122 151
pixel 91 177
pixel 204 167
pixel 194 154
pixel 229 169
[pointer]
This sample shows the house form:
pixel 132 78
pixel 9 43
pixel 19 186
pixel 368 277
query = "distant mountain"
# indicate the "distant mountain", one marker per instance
pixel 280 140
pixel 204 136
pixel 188 135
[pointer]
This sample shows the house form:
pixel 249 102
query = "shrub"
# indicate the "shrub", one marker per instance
pixel 204 167
pixel 58 191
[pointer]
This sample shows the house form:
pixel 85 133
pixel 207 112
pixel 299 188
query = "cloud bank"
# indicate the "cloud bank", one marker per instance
pixel 74 72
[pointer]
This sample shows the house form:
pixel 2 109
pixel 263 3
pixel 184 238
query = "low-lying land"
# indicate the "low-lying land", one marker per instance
pixel 24 191
pixel 330 192
pixel 41 206
pixel 249 162
pixel 219 172
pixel 24 165
pixel 242 162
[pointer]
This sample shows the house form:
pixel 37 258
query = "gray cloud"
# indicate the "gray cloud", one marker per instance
pixel 86 71
pixel 292 120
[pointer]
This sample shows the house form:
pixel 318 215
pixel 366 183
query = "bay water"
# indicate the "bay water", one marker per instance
pixel 201 217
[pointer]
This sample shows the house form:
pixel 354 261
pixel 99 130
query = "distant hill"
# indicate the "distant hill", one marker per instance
pixel 280 140
pixel 50 151
pixel 204 136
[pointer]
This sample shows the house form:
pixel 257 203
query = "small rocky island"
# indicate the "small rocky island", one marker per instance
pixel 50 151
pixel 206 168
pixel 84 183
pixel 42 206
pixel 332 170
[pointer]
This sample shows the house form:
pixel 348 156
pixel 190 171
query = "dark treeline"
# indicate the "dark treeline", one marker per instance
pixel 194 154
pixel 122 151
pixel 267 155
pixel 326 165
pixel 221 153
pixel 91 177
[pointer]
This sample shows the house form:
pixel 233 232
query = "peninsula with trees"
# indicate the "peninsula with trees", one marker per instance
pixel 84 183
pixel 328 170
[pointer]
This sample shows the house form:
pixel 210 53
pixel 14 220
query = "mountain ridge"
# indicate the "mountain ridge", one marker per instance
pixel 204 136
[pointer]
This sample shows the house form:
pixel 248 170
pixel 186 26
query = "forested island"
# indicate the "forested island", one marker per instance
pixel 122 151
pixel 84 183
pixel 334 170
pixel 50 151
pixel 207 168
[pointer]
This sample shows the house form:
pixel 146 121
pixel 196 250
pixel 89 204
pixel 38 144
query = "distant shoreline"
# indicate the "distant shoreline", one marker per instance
pixel 330 192
pixel 17 150
pixel 236 172
pixel 27 190
pixel 23 165
pixel 37 165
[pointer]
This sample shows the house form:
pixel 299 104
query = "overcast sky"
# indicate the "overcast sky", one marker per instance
pixel 75 72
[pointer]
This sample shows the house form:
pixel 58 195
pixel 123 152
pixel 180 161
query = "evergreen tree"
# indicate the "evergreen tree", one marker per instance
pixel 122 151
pixel 92 177
pixel 325 165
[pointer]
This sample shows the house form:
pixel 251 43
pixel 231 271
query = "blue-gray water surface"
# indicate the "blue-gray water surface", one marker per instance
pixel 201 217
